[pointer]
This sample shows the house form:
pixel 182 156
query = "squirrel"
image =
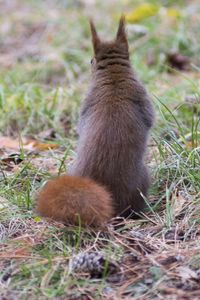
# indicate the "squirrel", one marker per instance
pixel 109 177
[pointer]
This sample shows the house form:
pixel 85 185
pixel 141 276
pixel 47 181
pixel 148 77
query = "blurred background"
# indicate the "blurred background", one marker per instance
pixel 45 54
pixel 46 50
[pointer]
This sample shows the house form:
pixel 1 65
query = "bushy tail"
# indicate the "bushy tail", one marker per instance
pixel 76 201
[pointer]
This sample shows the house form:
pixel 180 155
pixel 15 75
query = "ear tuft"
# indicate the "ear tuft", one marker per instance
pixel 121 33
pixel 95 38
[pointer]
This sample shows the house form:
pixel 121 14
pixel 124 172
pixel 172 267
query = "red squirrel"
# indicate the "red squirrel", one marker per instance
pixel 109 176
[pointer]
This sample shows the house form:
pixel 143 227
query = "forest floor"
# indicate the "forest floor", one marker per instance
pixel 45 58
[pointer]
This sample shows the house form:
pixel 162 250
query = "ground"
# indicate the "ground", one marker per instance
pixel 45 58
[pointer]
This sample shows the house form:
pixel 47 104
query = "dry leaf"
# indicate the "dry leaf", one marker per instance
pixel 25 143
pixel 7 142
pixel 9 162
pixel 44 146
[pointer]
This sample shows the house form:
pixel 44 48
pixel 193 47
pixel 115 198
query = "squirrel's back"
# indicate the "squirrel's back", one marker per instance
pixel 114 124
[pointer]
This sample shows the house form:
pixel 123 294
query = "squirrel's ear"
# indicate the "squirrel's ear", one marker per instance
pixel 95 38
pixel 121 36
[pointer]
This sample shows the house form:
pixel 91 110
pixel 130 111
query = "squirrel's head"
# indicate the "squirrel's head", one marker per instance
pixel 110 49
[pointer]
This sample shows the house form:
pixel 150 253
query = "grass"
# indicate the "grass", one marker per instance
pixel 45 69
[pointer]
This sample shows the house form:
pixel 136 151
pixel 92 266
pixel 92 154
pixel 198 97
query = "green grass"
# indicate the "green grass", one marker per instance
pixel 44 73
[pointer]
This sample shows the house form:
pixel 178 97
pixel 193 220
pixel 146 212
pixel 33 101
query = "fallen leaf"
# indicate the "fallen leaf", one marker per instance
pixel 26 144
pixel 10 161
pixel 41 146
pixel 7 142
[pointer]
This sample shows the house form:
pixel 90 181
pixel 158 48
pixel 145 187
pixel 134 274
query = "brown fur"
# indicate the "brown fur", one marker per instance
pixel 114 123
pixel 113 129
pixel 73 200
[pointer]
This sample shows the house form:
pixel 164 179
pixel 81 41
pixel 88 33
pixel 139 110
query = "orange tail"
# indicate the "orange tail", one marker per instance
pixel 75 200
